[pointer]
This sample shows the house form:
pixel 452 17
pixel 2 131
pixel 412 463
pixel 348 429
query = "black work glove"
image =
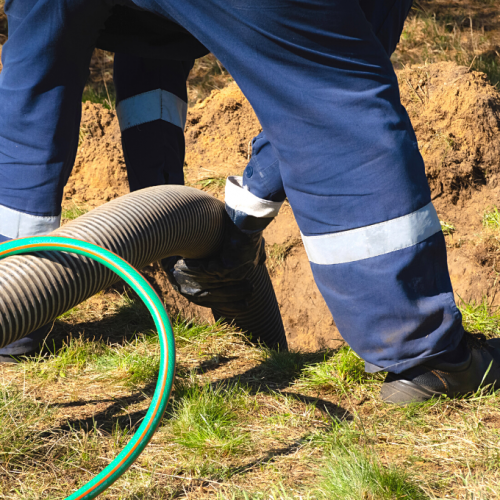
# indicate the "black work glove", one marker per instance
pixel 220 281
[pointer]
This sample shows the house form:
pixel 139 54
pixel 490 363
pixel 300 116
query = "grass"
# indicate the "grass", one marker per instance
pixel 212 183
pixel 429 38
pixel 491 218
pixel 479 317
pixel 21 420
pixel 342 373
pixel 72 213
pixel 135 363
pixel 205 418
pixel 105 95
pixel 447 229
pixel 243 422
pixel 288 364
pixel 353 474
pixel 190 332
pixel 71 359
pixel 207 75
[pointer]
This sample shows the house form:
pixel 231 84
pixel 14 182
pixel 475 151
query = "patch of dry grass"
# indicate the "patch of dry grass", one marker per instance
pixel 432 35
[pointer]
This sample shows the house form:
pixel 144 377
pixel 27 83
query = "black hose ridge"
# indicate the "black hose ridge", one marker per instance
pixel 142 227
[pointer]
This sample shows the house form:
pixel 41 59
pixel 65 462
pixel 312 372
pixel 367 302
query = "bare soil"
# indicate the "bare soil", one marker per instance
pixel 456 115
pixel 99 174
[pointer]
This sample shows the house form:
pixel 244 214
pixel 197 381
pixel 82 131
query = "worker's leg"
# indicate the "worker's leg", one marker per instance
pixel 327 97
pixel 45 66
pixel 262 175
pixel 152 108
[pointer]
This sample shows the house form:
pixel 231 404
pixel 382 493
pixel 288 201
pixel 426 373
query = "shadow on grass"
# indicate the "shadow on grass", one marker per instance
pixel 130 320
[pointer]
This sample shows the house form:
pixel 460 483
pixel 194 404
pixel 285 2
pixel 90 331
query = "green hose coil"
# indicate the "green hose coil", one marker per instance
pixel 167 345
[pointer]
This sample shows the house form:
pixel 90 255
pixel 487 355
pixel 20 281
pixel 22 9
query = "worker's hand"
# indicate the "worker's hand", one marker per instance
pixel 220 281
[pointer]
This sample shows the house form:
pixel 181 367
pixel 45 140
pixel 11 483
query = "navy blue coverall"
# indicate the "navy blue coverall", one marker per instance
pixel 319 76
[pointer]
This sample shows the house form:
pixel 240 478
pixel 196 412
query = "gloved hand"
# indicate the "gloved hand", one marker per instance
pixel 220 281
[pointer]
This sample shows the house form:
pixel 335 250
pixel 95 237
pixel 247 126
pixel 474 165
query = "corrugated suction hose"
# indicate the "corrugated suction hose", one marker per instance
pixel 141 227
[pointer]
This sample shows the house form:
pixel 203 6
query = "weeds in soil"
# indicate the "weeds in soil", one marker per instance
pixel 82 133
pixel 447 229
pixel 278 253
pixel 491 218
pixel 212 183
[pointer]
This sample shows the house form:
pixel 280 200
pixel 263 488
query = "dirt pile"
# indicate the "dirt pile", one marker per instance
pixel 99 174
pixel 218 132
pixel 456 116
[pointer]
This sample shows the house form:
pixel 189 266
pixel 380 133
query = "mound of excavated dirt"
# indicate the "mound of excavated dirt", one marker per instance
pixel 99 174
pixel 456 116
pixel 218 132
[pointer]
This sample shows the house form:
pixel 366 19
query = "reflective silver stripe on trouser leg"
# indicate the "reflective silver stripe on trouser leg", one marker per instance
pixel 150 106
pixel 371 241
pixel 249 212
pixel 15 224
pixel 240 199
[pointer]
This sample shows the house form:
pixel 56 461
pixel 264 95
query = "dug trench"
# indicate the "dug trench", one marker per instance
pixel 456 116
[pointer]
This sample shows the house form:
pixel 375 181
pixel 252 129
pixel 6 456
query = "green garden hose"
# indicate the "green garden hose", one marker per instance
pixel 167 345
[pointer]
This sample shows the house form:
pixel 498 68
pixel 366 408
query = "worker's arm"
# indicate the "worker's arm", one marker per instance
pixel 252 202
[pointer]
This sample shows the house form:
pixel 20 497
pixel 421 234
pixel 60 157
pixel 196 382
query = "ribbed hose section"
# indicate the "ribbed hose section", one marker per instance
pixel 141 227
pixel 262 318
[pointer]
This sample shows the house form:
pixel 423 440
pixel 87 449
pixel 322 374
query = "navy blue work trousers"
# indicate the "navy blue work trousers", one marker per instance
pixel 151 101
pixel 319 77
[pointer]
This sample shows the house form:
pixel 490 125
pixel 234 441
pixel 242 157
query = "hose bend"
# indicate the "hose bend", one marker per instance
pixel 141 227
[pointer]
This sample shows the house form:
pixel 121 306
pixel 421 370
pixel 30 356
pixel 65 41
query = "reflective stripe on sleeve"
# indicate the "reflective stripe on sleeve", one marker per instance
pixel 241 200
pixel 150 106
pixel 372 241
pixel 14 224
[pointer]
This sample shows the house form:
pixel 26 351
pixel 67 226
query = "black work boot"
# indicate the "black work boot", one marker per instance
pixel 25 346
pixel 421 383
